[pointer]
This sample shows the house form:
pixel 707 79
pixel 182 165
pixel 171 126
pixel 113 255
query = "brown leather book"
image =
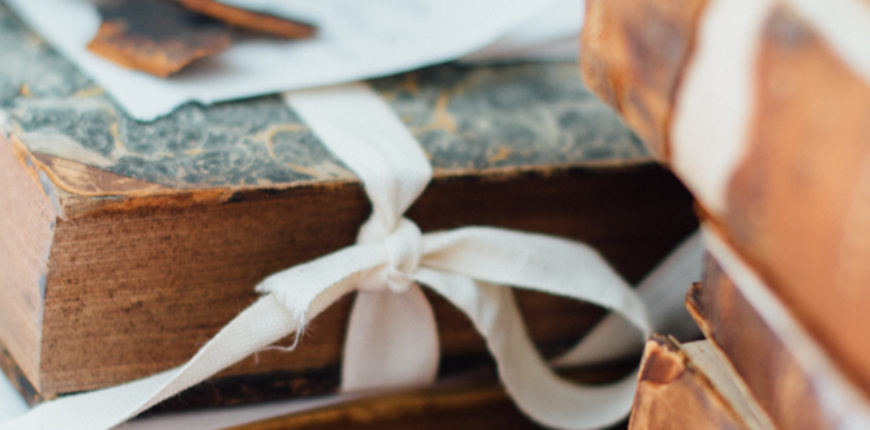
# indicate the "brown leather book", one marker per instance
pixel 775 370
pixel 761 109
pixel 478 402
pixel 125 246
pixel 689 386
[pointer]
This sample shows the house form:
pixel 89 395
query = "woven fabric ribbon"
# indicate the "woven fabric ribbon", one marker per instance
pixel 392 337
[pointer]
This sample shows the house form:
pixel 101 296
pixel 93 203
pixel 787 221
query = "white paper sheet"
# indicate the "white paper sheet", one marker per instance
pixel 357 40
pixel 551 35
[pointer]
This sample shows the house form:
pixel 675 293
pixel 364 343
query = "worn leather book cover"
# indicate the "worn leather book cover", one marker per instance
pixel 773 368
pixel 767 126
pixel 688 386
pixel 124 246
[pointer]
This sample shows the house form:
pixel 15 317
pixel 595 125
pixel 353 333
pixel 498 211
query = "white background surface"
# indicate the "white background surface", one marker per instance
pixel 11 404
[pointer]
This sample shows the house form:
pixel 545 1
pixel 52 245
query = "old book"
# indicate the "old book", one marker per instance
pixel 479 402
pixel 125 246
pixel 792 395
pixel 744 118
pixel 689 386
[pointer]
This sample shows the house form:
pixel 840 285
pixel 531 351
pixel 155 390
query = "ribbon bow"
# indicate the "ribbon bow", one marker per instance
pixel 392 337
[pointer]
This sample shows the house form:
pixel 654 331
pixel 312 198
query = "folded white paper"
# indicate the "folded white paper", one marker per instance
pixel 357 40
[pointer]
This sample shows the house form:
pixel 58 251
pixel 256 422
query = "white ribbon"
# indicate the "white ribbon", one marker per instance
pixel 663 291
pixel 392 338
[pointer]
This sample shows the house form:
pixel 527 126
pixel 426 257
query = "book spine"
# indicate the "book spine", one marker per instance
pixel 770 371
pixel 761 108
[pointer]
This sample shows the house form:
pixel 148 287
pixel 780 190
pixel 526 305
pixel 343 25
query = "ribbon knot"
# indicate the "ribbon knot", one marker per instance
pixel 403 248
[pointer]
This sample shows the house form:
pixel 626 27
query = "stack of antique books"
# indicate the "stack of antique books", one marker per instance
pixel 761 108
pixel 126 245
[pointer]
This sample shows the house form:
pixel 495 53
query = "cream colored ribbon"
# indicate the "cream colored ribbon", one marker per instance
pixel 392 338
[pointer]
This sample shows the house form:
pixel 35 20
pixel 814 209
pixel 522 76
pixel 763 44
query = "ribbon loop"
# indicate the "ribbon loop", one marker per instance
pixel 534 387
